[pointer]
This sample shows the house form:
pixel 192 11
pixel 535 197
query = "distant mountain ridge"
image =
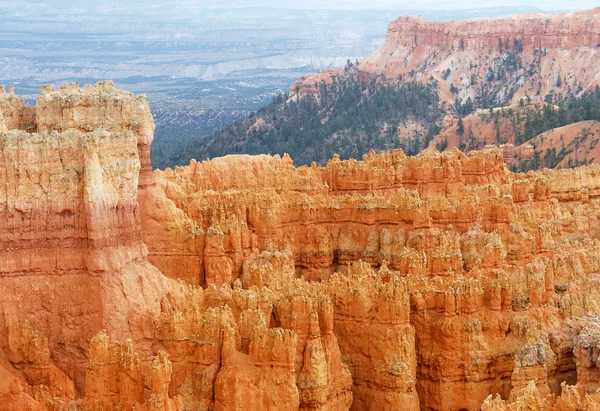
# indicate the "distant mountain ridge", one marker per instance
pixel 492 61
pixel 436 68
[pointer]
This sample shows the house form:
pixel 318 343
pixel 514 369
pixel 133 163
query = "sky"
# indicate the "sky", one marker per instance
pixel 183 6
pixel 421 4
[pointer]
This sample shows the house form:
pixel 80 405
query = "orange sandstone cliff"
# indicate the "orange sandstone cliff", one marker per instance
pixel 434 282
pixel 494 61
pixel 502 130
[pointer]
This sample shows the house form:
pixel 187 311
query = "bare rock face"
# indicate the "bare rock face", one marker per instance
pixel 13 109
pixel 502 59
pixel 73 260
pixel 536 30
pixel 98 106
pixel 449 277
pixel 437 282
pixel 496 130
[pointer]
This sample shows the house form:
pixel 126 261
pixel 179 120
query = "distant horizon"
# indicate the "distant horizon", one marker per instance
pixel 543 8
pixel 187 8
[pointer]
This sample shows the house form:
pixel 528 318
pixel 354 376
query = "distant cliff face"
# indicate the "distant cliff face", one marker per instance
pixel 398 95
pixel 491 61
pixel 562 31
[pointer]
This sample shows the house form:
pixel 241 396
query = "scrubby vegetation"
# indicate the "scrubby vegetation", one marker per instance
pixel 561 113
pixel 349 117
pixel 352 115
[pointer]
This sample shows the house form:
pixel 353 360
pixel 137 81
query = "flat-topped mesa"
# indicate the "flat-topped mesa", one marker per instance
pixel 505 59
pixel 563 31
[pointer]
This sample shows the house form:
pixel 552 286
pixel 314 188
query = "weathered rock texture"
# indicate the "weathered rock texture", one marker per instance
pixel 435 282
pixel 496 61
pixel 471 280
pixel 502 130
pixel 72 257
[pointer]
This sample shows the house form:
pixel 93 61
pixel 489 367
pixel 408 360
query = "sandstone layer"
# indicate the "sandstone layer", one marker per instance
pixel 434 282
pixel 497 61
pixel 486 258
pixel 502 130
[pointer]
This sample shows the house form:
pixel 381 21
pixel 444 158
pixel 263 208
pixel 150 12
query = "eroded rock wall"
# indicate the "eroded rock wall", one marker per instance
pixel 497 61
pixel 494 264
pixel 435 282
pixel 72 257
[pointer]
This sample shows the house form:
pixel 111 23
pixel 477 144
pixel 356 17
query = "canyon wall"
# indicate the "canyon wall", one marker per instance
pixel 564 31
pixel 495 61
pixel 434 282
pixel 73 260
pixel 491 265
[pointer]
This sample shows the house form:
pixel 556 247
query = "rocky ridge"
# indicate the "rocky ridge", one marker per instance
pixel 492 62
pixel 398 96
pixel 436 282
pixel 503 130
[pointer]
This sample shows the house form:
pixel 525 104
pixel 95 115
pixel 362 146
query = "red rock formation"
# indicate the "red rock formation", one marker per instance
pixel 498 130
pixel 498 126
pixel 28 351
pixel 511 57
pixel 73 260
pixel 439 282
pixel 563 31
pixel 99 106
pixel 12 107
pixel 113 377
pixel 460 228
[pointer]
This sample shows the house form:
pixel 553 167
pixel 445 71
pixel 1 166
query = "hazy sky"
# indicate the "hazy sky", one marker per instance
pixel 421 4
pixel 147 6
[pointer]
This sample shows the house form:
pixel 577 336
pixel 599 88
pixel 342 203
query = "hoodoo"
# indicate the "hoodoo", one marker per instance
pixel 433 282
